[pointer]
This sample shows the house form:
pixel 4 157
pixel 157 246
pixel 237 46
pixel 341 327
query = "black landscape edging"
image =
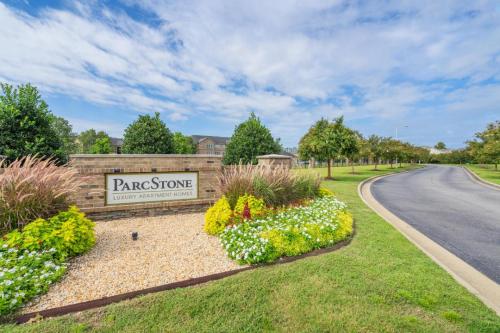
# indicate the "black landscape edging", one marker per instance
pixel 88 305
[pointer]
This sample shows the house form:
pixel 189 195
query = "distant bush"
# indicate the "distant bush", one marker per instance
pixel 276 186
pixel 32 187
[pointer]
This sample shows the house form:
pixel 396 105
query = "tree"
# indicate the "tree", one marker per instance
pixel 64 131
pixel 351 143
pixel 87 139
pixel 486 147
pixel 25 124
pixel 323 142
pixel 375 148
pixel 183 144
pixel 390 150
pixel 440 145
pixel 249 140
pixel 101 146
pixel 148 135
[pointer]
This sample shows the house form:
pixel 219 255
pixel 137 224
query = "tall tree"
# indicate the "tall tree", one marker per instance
pixel 148 135
pixel 64 131
pixel 25 124
pixel 250 139
pixel 101 146
pixel 87 139
pixel 183 144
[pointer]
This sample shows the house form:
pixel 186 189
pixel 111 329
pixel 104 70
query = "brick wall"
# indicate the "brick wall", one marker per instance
pixel 275 160
pixel 92 168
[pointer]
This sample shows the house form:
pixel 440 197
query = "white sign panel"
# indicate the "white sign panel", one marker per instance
pixel 150 187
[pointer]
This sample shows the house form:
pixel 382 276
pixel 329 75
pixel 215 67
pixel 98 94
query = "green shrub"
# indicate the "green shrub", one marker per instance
pixel 289 232
pixel 218 216
pixel 70 233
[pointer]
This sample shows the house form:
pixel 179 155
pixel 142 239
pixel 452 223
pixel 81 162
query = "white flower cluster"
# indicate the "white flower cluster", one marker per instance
pixel 315 223
pixel 25 274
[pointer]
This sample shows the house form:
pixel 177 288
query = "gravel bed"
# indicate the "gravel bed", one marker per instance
pixel 169 249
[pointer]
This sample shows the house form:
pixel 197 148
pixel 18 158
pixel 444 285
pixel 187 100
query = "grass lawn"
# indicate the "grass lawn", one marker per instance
pixel 487 172
pixel 380 282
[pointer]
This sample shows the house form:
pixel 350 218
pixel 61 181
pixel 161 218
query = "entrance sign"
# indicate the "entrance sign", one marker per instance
pixel 123 188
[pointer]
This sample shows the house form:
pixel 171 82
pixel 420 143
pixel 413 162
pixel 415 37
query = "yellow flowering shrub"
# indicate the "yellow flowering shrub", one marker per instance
pixel 345 221
pixel 218 216
pixel 257 206
pixel 325 192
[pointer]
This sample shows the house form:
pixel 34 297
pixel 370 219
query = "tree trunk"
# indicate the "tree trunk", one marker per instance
pixel 329 169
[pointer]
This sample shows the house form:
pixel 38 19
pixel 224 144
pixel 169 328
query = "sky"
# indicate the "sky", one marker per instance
pixel 427 71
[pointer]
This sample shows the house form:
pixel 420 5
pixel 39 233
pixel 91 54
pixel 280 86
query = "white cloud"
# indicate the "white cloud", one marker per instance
pixel 393 52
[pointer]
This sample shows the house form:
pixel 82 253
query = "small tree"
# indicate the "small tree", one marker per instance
pixel 101 146
pixel 250 139
pixel 375 148
pixel 148 135
pixel 351 143
pixel 440 145
pixel 183 144
pixel 324 142
pixel 486 148
pixel 25 124
pixel 390 150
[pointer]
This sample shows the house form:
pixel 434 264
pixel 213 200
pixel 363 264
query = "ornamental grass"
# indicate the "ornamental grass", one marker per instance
pixel 33 187
pixel 277 186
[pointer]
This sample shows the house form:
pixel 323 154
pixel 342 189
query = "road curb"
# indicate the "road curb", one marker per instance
pixel 480 180
pixel 487 290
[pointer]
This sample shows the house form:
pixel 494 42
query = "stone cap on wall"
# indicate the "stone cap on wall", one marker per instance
pixel 274 156
pixel 143 155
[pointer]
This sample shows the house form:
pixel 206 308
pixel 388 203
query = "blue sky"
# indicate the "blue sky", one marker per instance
pixel 433 66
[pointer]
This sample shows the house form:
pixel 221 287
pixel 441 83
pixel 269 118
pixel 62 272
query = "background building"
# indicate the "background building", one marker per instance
pixel 435 151
pixel 116 145
pixel 210 145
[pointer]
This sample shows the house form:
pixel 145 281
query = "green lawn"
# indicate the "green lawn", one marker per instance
pixel 380 282
pixel 487 172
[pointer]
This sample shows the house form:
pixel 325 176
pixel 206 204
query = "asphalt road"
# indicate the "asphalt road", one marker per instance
pixel 447 206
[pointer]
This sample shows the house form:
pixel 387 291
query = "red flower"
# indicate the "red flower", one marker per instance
pixel 246 212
